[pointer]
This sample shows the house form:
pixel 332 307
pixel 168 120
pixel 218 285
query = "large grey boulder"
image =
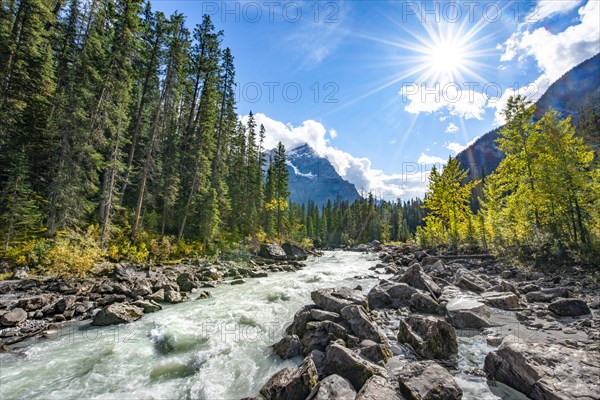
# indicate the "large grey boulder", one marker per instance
pixel 186 282
pixel 344 362
pixel 301 318
pixel 426 380
pixel 430 337
pixel 294 252
pixel 361 324
pixel 547 295
pixel 544 371
pixel 466 313
pixel 421 302
pixel 335 299
pixel 173 296
pixel 13 317
pixel 292 383
pixel 117 313
pixel 415 277
pixel 378 388
pixel 569 307
pixel 288 347
pixel 390 295
pixel 272 251
pixel 375 352
pixel 464 279
pixel 148 306
pixel 502 300
pixel 333 387
pixel 319 334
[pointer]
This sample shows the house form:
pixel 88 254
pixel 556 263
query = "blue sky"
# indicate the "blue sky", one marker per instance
pixel 385 88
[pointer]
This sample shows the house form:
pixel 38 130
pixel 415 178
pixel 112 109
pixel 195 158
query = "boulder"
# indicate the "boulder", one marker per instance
pixel 203 295
pixel 547 295
pixel 301 318
pixel 426 380
pixel 377 388
pixel 334 300
pixel 294 252
pixel 173 296
pixel 238 282
pixel 333 387
pixel 158 296
pixel 211 274
pixel 544 371
pixel 342 361
pixel 272 251
pixel 420 302
pixel 569 307
pixel 288 347
pixel 390 295
pixel 186 282
pixel 374 352
pixel 292 383
pixel 117 313
pixel 502 300
pixel 361 324
pixel 33 303
pixel 430 337
pixel 13 317
pixel 466 313
pixel 415 277
pixel 148 306
pixel 319 334
pixel 320 315
pixel 464 279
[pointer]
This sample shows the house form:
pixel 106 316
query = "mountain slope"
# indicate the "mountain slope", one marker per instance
pixel 314 178
pixel 577 88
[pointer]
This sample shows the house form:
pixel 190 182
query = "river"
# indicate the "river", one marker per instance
pixel 216 348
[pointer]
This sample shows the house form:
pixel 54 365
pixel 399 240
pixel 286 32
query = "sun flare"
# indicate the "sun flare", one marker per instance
pixel 446 58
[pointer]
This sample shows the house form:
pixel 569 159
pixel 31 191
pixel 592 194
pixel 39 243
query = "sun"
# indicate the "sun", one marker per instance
pixel 446 59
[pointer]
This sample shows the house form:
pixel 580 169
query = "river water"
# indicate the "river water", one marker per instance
pixel 217 348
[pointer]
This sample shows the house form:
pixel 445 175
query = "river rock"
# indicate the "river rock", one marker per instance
pixel 377 388
pixel 421 302
pixel 390 295
pixel 361 324
pixel 430 337
pixel 203 295
pixel 294 252
pixel 173 296
pixel 547 295
pixel 272 251
pixel 238 282
pixel 320 315
pixel 292 383
pixel 335 299
pixel 186 282
pixel 502 300
pixel 333 387
pixel 33 303
pixel 148 306
pixel 466 313
pixel 342 361
pixel 211 274
pixel 426 380
pixel 288 347
pixel 301 318
pixel 13 317
pixel 319 334
pixel 158 296
pixel 374 352
pixel 415 277
pixel 569 307
pixel 464 279
pixel 546 371
pixel 117 313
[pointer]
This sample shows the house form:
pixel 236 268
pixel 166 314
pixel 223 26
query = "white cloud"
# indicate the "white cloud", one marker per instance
pixel 557 53
pixel 333 133
pixel 452 128
pixel 455 147
pixel 448 96
pixel 427 159
pixel 532 91
pixel 548 8
pixel 412 182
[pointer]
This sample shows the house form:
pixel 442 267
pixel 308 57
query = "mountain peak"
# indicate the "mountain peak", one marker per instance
pixel 302 150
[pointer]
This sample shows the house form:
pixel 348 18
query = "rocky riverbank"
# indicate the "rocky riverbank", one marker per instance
pixel 400 339
pixel 34 306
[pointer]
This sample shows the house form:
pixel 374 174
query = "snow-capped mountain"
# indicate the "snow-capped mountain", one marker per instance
pixel 315 178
